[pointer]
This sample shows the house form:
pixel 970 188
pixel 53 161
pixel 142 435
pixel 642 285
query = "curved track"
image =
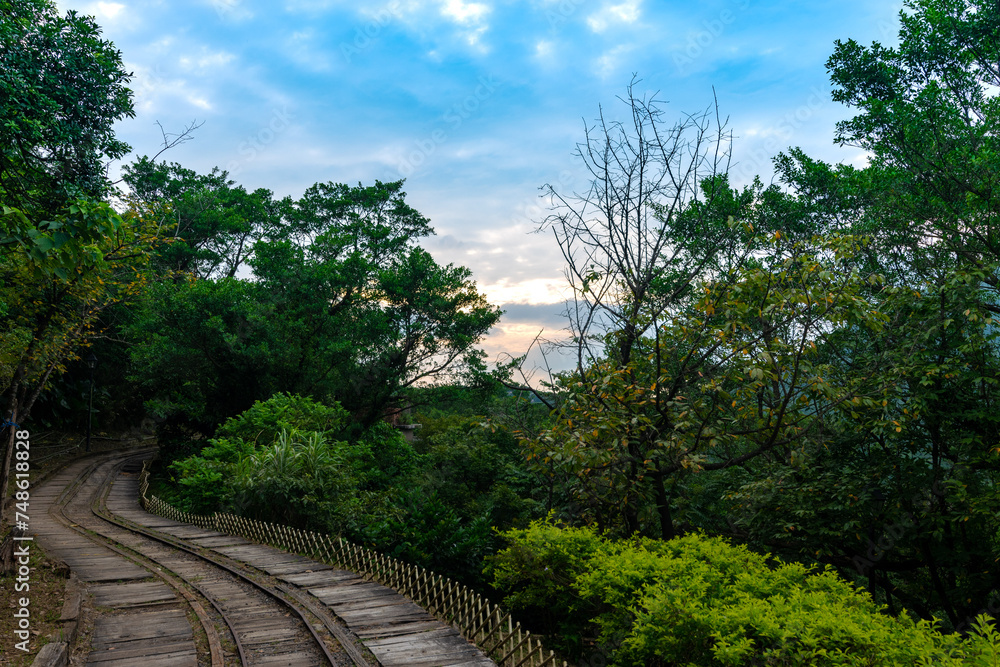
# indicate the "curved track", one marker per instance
pixel 243 617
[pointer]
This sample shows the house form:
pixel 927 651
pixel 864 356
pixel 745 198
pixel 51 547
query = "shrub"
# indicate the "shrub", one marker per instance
pixel 261 423
pixel 698 600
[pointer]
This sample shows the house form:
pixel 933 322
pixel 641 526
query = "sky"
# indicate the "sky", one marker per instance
pixel 477 104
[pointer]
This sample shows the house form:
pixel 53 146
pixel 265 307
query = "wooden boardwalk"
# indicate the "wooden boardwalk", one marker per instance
pixel 137 619
pixel 394 629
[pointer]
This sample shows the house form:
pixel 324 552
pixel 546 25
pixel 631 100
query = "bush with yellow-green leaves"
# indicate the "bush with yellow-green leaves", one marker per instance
pixel 700 600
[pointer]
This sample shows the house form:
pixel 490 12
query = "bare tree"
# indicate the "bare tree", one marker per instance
pixel 628 243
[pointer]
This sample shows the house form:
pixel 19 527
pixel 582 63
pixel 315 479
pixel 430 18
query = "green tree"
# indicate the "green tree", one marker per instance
pixel 62 88
pixel 65 255
pixel 928 446
pixel 343 305
pixel 211 224
pixel 928 114
pixel 734 377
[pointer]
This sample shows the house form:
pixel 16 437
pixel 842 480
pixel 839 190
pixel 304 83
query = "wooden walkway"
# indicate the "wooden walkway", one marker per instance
pixel 142 621
pixel 137 614
pixel 394 629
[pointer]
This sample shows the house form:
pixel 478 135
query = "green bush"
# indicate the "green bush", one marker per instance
pixel 537 572
pixel 300 480
pixel 205 478
pixel 264 420
pixel 697 600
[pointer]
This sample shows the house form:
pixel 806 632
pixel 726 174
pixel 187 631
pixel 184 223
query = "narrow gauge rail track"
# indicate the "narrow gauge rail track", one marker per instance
pixel 267 623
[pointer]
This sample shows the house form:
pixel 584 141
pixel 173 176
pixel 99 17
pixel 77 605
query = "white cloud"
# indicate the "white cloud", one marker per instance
pixel 469 15
pixel 205 61
pixel 465 13
pixel 535 291
pixel 151 89
pixel 624 13
pixel 108 10
pixel 232 10
pixel 199 102
pixel 107 13
pixel 610 61
pixel 543 49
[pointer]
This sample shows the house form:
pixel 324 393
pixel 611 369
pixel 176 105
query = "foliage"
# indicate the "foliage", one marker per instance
pixel 343 305
pixel 291 459
pixel 87 259
pixel 928 446
pixel 369 313
pixel 734 377
pixel 698 600
pixel 837 350
pixel 62 88
pixel 202 349
pixel 264 420
pixel 928 114
pixel 213 224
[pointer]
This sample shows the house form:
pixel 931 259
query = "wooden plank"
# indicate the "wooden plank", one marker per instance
pixel 119 595
pixel 295 566
pixel 329 576
pixel 168 660
pixel 190 532
pixel 400 614
pixel 143 650
pixel 255 551
pixel 220 541
pixel 365 591
pixel 286 660
pixel 142 626
pixel 397 630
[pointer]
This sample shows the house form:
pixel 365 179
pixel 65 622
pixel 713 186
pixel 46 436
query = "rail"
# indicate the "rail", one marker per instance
pixel 478 620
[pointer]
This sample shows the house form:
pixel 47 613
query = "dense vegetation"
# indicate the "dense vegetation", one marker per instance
pixel 780 442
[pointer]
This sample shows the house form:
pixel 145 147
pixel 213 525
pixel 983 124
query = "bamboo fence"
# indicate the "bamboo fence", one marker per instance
pixel 484 624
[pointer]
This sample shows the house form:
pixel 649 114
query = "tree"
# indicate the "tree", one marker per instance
pixel 629 255
pixel 62 88
pixel 734 377
pixel 211 223
pixel 929 117
pixel 64 254
pixel 928 447
pixel 343 305
pixel 374 313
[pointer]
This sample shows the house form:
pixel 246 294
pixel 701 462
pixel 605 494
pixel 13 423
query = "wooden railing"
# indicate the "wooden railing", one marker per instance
pixel 482 623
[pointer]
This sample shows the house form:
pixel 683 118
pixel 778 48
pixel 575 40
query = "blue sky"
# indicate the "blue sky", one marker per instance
pixel 476 104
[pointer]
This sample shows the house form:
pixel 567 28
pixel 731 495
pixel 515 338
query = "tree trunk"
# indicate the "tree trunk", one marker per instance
pixel 7 547
pixel 663 508
pixel 8 455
